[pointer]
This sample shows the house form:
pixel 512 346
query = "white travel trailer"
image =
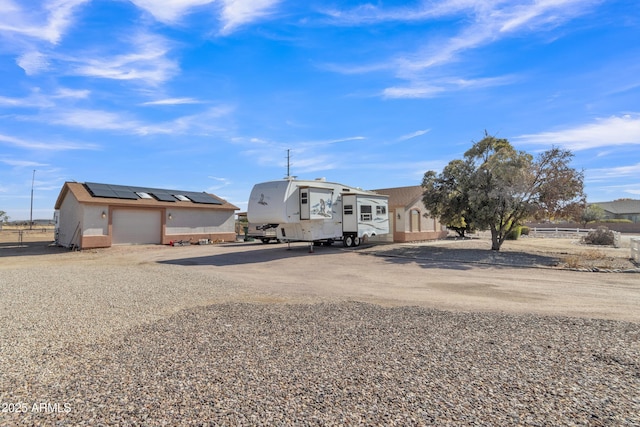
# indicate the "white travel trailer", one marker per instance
pixel 318 211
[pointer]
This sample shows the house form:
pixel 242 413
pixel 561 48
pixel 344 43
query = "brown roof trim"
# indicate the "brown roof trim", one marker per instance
pixel 83 196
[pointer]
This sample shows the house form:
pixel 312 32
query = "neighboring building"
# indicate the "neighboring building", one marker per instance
pixel 621 209
pixel 93 215
pixel 407 221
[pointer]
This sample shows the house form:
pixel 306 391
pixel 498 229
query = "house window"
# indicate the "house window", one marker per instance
pixel 365 213
pixel 381 210
pixel 304 198
pixel 348 209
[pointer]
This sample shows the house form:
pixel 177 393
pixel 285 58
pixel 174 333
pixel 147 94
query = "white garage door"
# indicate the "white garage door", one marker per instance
pixel 136 227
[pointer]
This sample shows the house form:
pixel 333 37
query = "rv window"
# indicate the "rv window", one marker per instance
pixel 365 213
pixel 381 210
pixel 348 209
pixel 303 197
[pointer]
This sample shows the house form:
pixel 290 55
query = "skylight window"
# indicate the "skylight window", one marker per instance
pixel 144 195
pixel 181 198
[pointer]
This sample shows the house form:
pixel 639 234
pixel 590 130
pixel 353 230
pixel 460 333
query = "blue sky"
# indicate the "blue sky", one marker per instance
pixel 206 95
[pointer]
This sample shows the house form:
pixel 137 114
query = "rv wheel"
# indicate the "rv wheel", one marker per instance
pixel 348 241
pixel 356 241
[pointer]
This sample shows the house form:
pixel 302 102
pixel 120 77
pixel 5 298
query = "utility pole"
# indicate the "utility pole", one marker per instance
pixel 288 161
pixel 33 178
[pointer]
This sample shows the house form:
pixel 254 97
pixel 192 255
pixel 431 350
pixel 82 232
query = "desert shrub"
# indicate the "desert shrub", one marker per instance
pixel 514 234
pixel 617 221
pixel 588 259
pixel 572 261
pixel 524 230
pixel 601 236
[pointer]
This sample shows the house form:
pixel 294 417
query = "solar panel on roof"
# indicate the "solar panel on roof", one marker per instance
pixel 126 194
pixel 163 197
pixel 133 193
pixel 203 198
pixel 100 190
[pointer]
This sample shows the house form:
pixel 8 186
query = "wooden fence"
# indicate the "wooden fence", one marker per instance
pixel 558 232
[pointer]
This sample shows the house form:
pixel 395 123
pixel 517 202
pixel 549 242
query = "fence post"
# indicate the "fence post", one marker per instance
pixel 635 250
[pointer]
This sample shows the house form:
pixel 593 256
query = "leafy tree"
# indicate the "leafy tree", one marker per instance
pixel 447 201
pixel 3 217
pixel 590 214
pixel 496 187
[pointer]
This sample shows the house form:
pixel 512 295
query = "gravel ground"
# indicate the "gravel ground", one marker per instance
pixel 341 364
pixel 115 338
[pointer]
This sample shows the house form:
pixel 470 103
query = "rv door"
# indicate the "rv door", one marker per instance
pixel 349 213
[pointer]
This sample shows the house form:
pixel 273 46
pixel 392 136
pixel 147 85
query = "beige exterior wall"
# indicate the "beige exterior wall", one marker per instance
pixel 192 221
pixel 94 224
pixel 196 224
pixel 96 230
pixel 411 224
pixel 85 222
pixel 69 216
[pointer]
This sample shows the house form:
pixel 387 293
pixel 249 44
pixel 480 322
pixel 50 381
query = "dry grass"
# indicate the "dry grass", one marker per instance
pixel 13 233
pixel 589 259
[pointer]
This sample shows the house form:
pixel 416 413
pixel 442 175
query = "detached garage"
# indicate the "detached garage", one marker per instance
pixel 94 215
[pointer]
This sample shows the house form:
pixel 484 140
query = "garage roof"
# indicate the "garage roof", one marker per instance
pixel 111 194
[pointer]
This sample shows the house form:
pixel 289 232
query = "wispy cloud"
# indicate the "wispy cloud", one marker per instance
pixel 173 101
pixel 485 22
pixel 21 163
pixel 147 63
pixel 48 22
pixel 413 134
pixel 232 13
pixel 433 87
pixel 33 62
pixel 490 22
pixel 204 123
pixel 611 131
pixel 603 191
pixel 236 13
pixel 305 156
pixel 415 91
pixel 34 99
pixel 307 144
pixel 45 145
pixel 169 11
pixel 222 182
pixel 89 119
pixel 39 99
pixel 614 172
pixel 71 93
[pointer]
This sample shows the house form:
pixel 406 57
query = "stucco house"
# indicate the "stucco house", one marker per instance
pixel 94 215
pixel 407 219
pixel 621 209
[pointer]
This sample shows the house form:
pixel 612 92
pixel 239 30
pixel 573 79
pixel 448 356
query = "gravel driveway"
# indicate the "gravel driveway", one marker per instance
pixel 250 334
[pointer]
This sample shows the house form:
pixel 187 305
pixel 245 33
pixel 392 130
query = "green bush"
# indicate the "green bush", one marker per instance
pixel 617 221
pixel 514 234
pixel 524 230
pixel 602 237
